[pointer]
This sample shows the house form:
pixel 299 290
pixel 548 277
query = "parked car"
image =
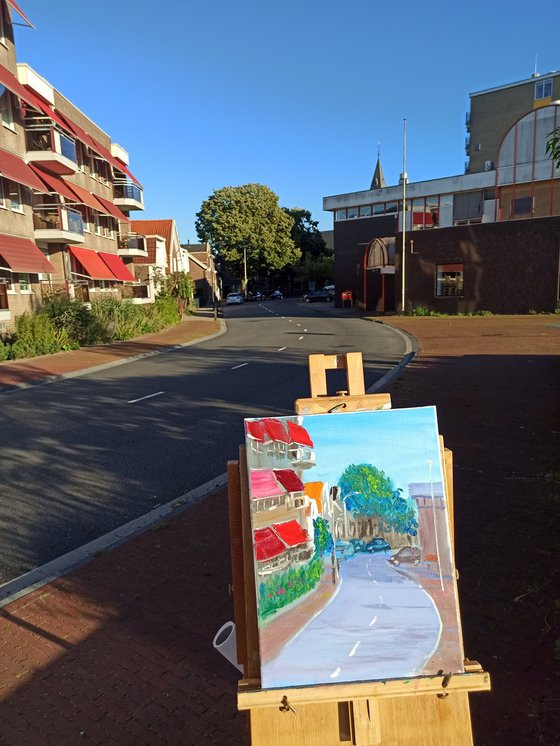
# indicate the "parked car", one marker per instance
pixel 313 296
pixel 410 555
pixel 358 544
pixel 377 545
pixel 330 289
pixel 343 549
pixel 234 298
pixel 274 295
pixel 254 296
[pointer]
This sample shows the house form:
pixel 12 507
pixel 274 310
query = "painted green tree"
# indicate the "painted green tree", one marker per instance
pixel 248 229
pixel 322 536
pixel 368 491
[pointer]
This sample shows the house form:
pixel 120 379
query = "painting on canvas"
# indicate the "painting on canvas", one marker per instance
pixel 352 552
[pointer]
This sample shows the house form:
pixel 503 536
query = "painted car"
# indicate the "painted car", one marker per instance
pixel 234 298
pixel 314 296
pixel 377 545
pixel 358 544
pixel 410 555
pixel 343 549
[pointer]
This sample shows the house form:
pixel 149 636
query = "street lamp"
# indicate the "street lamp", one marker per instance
pixel 403 263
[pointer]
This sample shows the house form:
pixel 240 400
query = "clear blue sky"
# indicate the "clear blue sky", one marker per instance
pixel 294 95
pixel 400 442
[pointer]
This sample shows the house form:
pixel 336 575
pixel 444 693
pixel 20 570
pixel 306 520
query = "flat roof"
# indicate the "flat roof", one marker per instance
pixel 532 79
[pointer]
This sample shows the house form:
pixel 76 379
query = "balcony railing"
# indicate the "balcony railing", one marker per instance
pixel 45 139
pixel 57 218
pixel 128 191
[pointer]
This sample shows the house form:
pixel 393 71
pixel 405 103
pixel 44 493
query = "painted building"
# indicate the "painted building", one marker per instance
pixel 487 239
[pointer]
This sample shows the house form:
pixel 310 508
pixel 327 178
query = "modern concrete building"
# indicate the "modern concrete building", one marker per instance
pixel 466 242
pixel 65 194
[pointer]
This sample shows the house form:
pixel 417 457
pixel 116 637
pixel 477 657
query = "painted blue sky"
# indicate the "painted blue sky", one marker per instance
pixel 292 95
pixel 398 441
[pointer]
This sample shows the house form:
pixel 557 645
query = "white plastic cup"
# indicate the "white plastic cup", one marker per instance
pixel 225 642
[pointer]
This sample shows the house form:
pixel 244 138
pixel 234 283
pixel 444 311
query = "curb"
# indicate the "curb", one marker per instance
pixel 411 350
pixel 112 364
pixel 31 581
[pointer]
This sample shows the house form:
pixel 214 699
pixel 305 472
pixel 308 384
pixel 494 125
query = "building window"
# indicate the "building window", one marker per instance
pixel 6 111
pixel 352 212
pixel 543 89
pixel 2 25
pixel 14 196
pixel 379 209
pixel 391 207
pixel 340 215
pixel 23 280
pixel 449 280
pixel 521 206
pixel 365 211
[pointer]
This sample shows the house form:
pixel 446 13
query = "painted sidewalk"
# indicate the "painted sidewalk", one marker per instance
pixel 120 650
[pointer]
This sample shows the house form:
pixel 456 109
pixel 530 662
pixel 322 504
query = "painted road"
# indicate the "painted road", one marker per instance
pixel 365 633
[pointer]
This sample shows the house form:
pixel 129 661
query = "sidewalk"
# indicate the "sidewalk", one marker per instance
pixel 120 650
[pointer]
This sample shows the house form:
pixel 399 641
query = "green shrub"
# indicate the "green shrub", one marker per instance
pixel 5 350
pixel 75 318
pixel 36 335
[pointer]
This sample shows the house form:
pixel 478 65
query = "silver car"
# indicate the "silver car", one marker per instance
pixel 234 299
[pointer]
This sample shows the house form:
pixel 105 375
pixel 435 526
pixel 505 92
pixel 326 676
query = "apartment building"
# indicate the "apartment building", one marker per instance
pixel 66 193
pixel 467 245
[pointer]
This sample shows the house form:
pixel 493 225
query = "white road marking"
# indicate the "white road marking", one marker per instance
pixel 300 338
pixel 150 396
pixel 298 324
pixel 281 349
pixel 305 330
pixel 335 673
pixel 235 367
pixel 353 651
pixel 372 621
pixel 291 322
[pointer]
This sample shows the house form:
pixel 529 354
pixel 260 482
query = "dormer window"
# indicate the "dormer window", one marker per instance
pixel 543 89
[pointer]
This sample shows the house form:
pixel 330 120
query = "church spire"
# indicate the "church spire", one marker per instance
pixel 378 181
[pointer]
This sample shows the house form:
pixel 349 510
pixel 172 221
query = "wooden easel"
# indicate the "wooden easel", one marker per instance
pixel 428 711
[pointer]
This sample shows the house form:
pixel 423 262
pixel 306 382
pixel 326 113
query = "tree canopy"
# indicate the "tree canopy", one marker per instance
pixel 306 234
pixel 368 491
pixel 553 146
pixel 248 219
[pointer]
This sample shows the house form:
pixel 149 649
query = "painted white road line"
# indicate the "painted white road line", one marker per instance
pixel 235 367
pixel 150 396
pixel 281 349
pixel 352 653
pixel 372 621
pixel 300 338
pixel 335 673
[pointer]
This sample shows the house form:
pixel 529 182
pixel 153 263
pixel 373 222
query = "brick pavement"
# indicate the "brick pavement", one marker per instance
pixel 120 651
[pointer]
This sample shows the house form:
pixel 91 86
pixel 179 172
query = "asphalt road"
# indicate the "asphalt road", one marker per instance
pixel 365 633
pixel 82 456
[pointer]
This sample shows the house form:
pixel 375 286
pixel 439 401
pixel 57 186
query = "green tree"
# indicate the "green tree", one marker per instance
pixel 320 268
pixel 245 223
pixel 368 491
pixel 553 146
pixel 306 234
pixel 177 285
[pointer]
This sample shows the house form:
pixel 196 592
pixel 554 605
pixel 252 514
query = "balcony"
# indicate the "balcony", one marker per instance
pixel 133 245
pixel 128 195
pixel 57 224
pixel 51 149
pixel 302 457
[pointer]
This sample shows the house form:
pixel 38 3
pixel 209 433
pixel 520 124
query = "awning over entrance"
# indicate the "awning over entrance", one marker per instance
pixel 15 168
pixel 21 255
pixel 92 263
pixel 117 267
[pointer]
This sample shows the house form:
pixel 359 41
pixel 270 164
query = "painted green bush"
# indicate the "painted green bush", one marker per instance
pixel 280 590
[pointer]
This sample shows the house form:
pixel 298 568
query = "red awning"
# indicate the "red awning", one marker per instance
pixel 85 197
pixel 264 484
pixel 289 480
pixel 267 544
pixel 14 168
pixel 255 430
pixel 125 170
pixel 20 12
pixel 291 533
pixel 276 430
pixel 8 79
pixel 40 105
pixel 105 153
pixel 92 263
pixel 450 267
pixel 55 184
pixel 112 209
pixel 21 255
pixel 117 267
pixel 299 434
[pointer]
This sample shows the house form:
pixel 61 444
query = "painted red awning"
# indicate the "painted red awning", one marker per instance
pixel 15 168
pixel 276 430
pixel 112 209
pixel 20 12
pixel 117 267
pixel 92 263
pixel 8 79
pixel 255 429
pixel 289 480
pixel 54 184
pixel 267 544
pixel 264 484
pixel 291 533
pixel 299 434
pixel 22 255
